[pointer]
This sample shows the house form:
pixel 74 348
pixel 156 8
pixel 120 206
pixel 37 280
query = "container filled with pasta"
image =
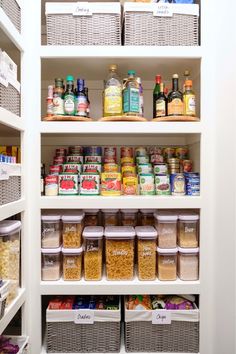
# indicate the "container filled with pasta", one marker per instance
pixel 72 263
pixel 91 217
pixel 93 240
pixel 72 230
pixel 110 217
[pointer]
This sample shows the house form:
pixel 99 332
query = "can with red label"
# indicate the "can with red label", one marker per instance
pixel 55 170
pixel 51 185
pixel 61 152
pixel 59 160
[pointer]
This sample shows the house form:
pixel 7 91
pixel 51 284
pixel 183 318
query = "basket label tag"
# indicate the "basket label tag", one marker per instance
pixel 4 174
pixel 82 9
pixel 84 317
pixel 161 317
pixel 163 10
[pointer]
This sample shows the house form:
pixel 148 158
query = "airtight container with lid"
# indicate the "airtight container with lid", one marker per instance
pixel 188 230
pixel 188 263
pixel 120 252
pixel 93 237
pixel 167 263
pixel 147 217
pixel 10 254
pixel 91 217
pixel 72 263
pixel 129 217
pixel 166 224
pixel 51 263
pixel 72 230
pixel 147 236
pixel 110 217
pixel 51 231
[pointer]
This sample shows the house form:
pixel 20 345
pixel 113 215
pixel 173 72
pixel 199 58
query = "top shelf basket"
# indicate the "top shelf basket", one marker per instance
pixel 12 9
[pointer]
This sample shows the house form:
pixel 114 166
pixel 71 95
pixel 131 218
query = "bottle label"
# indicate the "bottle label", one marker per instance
pixel 81 106
pixel 69 104
pixel 160 108
pixel 141 106
pixel 113 100
pixel 131 100
pixel 175 107
pixel 58 106
pixel 189 105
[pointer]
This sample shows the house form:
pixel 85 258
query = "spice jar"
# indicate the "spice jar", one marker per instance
pixel 188 263
pixel 91 217
pixel 188 230
pixel 72 230
pixel 167 263
pixel 110 217
pixel 129 217
pixel 147 236
pixel 147 217
pixel 72 263
pixel 166 224
pixel 93 236
pixel 119 252
pixel 51 263
pixel 51 231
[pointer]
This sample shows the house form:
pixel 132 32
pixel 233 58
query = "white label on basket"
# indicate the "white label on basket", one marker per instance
pixel 84 317
pixel 82 9
pixel 161 317
pixel 4 175
pixel 163 10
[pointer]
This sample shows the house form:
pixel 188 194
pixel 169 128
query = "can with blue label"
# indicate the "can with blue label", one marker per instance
pixel 177 183
pixel 192 180
pixel 92 151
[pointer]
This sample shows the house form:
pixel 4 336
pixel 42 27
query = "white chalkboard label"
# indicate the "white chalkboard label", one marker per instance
pixel 161 317
pixel 84 317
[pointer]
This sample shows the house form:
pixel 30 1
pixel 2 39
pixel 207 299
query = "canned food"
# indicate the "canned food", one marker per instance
pixel 111 184
pixel 144 168
pixel 110 167
pixel 127 159
pixel 142 159
pixel 93 151
pixel 147 185
pixel 55 169
pixel 89 183
pixel 72 167
pixel 51 185
pixel 177 182
pixel 75 158
pixel 130 185
pixel 182 153
pixel 192 183
pixel 187 165
pixel 157 159
pixel 131 168
pixel 92 159
pixel 155 150
pixel 173 161
pixel 140 151
pixel 59 160
pixel 126 151
pixel 75 150
pixel 162 183
pixel 169 152
pixel 160 168
pixel 109 159
pixel 68 183
pixel 61 152
pixel 92 168
pixel 110 151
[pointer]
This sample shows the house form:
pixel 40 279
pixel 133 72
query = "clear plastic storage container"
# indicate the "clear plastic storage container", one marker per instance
pixel 72 263
pixel 147 236
pixel 51 263
pixel 129 217
pixel 51 231
pixel 93 237
pixel 72 230
pixel 188 232
pixel 188 263
pixel 120 252
pixel 10 255
pixel 91 217
pixel 110 217
pixel 147 217
pixel 167 263
pixel 166 224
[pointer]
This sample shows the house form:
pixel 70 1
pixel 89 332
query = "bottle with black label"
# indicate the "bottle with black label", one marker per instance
pixel 161 103
pixel 175 105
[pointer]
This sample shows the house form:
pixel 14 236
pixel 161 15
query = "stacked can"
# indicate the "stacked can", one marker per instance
pixel 128 170
pixel 160 169
pixel 111 177
pixel 192 183
pixel 145 171
pixel 92 168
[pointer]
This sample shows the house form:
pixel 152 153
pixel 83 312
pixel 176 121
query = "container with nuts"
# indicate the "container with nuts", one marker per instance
pixel 72 263
pixel 72 230
pixel 93 240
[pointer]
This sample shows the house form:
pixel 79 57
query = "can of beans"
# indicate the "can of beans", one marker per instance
pixel 126 151
pixel 162 183
pixel 156 158
pixel 160 168
pixel 142 159
pixel 155 150
pixel 177 183
pixel 144 168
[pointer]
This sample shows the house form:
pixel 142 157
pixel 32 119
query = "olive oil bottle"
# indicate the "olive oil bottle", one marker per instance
pixel 112 94
pixel 175 105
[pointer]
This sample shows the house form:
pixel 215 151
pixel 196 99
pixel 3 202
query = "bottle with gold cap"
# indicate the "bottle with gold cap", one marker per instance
pixel 189 99
pixel 112 94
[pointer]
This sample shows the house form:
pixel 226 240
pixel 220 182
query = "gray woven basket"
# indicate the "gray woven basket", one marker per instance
pixel 13 11
pixel 10 190
pixel 2 308
pixel 179 336
pixel 10 98
pixel 68 337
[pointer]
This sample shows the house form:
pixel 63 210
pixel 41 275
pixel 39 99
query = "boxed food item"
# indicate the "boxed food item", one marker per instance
pixel 166 224
pixel 72 263
pixel 72 230
pixel 111 184
pixel 51 263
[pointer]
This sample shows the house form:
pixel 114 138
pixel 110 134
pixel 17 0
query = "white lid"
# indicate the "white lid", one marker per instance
pixel 52 217
pixel 167 250
pixel 91 211
pixel 188 217
pixel 129 211
pixel 93 232
pixel 51 250
pixel 72 250
pixel 110 211
pixel 188 250
pixel 166 216
pixel 148 232
pixel 147 211
pixel 78 216
pixel 119 232
pixel 8 226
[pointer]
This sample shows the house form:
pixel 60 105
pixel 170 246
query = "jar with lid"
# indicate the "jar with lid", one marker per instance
pixel 51 231
pixel 129 217
pixel 91 217
pixel 10 255
pixel 147 236
pixel 72 263
pixel 51 263
pixel 110 217
pixel 166 225
pixel 147 217
pixel 188 263
pixel 167 263
pixel 72 229
pixel 188 230
pixel 93 252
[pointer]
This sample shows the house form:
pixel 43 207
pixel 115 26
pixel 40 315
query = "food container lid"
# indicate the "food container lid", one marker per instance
pixel 72 250
pixel 110 211
pixel 166 216
pixel 93 232
pixel 52 217
pixel 120 232
pixel 188 250
pixel 148 211
pixel 73 217
pixel 51 250
pixel 9 226
pixel 148 232
pixel 91 211
pixel 129 211
pixel 188 217
pixel 167 250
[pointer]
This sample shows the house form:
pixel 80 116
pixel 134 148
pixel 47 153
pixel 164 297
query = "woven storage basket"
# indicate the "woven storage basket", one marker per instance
pixel 3 298
pixel 101 27
pixel 182 335
pixel 10 98
pixel 13 11
pixel 143 24
pixel 10 190
pixel 63 335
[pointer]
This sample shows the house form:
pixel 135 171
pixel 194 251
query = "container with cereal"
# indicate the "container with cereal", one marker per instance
pixel 147 236
pixel 129 217
pixel 166 224
pixel 188 263
pixel 188 230
pixel 72 263
pixel 91 217
pixel 110 217
pixel 93 240
pixel 51 263
pixel 120 252
pixel 72 230
pixel 147 217
pixel 167 263
pixel 10 255
pixel 51 231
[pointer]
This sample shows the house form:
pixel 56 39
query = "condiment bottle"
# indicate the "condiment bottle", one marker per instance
pixel 58 101
pixel 131 95
pixel 175 105
pixel 155 93
pixel 161 103
pixel 81 103
pixel 69 97
pixel 113 94
pixel 189 99
pixel 88 102
pixel 141 103
pixel 186 77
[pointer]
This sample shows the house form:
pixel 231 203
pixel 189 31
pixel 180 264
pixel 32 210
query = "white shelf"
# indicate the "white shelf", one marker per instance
pixel 10 30
pixel 11 209
pixel 10 120
pixel 12 309
pixel 105 287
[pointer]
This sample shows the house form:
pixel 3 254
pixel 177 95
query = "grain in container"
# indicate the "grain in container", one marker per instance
pixel 166 225
pixel 188 230
pixel 119 252
pixel 93 251
pixel 10 255
pixel 147 236
pixel 188 263
pixel 72 230
pixel 147 217
pixel 51 231
pixel 167 263
pixel 91 217
pixel 72 263
pixel 51 263
pixel 110 217
pixel 129 217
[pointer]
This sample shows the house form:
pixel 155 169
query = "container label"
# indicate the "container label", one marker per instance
pixel 4 175
pixel 160 108
pixel 82 9
pixel 81 106
pixel 131 100
pixel 161 317
pixel 84 317
pixel 69 104
pixel 175 107
pixel 189 105
pixel 113 100
pixel 58 106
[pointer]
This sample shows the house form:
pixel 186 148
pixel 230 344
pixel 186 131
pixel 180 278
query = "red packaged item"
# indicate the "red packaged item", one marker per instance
pixel 55 304
pixel 67 303
pixel 55 169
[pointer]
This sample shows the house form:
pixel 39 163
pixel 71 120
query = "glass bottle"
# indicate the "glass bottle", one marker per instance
pixel 58 101
pixel 186 77
pixel 81 103
pixel 69 97
pixel 161 103
pixel 88 102
pixel 42 178
pixel 131 95
pixel 175 99
pixel 155 93
pixel 141 102
pixel 189 99
pixel 113 94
